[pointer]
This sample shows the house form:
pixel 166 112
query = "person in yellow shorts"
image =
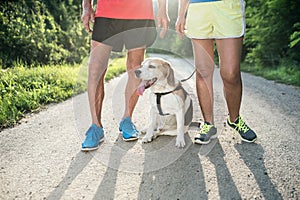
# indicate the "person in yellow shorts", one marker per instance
pixel 210 22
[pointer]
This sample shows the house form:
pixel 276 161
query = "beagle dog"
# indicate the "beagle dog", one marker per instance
pixel 171 106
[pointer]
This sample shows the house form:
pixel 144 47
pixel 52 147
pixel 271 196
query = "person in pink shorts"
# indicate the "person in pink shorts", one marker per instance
pixel 118 24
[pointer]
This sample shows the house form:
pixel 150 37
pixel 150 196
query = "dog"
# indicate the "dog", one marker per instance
pixel 171 106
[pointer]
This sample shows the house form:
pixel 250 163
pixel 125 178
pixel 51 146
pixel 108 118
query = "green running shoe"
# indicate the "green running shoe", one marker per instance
pixel 246 133
pixel 206 133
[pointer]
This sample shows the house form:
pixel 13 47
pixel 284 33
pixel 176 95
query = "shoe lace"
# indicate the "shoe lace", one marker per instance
pixel 241 125
pixel 205 128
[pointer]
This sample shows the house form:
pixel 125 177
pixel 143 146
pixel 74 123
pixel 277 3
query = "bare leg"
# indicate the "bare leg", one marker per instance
pixel 98 62
pixel 229 51
pixel 134 60
pixel 204 63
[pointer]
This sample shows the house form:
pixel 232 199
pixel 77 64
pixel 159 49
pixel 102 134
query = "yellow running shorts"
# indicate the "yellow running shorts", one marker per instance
pixel 216 20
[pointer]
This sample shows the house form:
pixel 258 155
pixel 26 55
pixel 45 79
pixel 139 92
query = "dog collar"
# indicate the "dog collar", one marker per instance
pixel 158 97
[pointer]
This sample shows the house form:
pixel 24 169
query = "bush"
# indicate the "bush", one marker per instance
pixel 30 34
pixel 272 32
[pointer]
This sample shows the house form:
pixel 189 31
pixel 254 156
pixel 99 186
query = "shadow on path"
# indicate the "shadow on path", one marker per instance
pixel 182 179
pixel 226 185
pixel 253 156
pixel 107 187
pixel 80 161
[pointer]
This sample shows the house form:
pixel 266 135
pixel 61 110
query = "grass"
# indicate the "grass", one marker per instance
pixel 116 67
pixel 285 73
pixel 24 90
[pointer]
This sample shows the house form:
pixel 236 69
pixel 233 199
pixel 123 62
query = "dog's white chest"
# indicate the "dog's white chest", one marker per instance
pixel 165 104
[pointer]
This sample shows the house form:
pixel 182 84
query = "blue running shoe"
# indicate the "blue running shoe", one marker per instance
pixel 94 136
pixel 128 130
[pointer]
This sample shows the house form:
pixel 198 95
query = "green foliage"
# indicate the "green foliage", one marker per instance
pixel 31 34
pixel 273 31
pixel 294 51
pixel 51 32
pixel 44 33
pixel 74 38
pixel 295 37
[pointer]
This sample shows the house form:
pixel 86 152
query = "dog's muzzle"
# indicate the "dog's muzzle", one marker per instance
pixel 144 85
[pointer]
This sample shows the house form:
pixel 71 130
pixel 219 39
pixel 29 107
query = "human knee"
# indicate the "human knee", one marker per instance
pixel 231 76
pixel 95 75
pixel 203 73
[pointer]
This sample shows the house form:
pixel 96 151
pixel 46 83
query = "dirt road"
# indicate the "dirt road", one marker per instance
pixel 41 157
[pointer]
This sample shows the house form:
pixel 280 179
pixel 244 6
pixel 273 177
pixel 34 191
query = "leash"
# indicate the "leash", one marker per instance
pixel 191 74
pixel 188 77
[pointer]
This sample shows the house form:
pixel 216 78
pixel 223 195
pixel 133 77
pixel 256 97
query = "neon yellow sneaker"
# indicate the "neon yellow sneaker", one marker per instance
pixel 246 133
pixel 206 133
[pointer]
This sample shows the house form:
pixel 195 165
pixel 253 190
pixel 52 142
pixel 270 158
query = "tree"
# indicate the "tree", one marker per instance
pixel 39 33
pixel 273 31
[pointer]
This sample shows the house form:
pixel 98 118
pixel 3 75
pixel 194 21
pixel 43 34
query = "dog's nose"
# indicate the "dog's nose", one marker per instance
pixel 137 72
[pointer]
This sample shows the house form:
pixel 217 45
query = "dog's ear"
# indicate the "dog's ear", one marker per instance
pixel 170 76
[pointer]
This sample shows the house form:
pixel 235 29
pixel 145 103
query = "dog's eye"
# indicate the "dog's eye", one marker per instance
pixel 152 66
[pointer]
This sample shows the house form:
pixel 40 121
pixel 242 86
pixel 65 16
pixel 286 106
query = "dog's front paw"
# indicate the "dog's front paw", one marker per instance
pixel 180 143
pixel 147 138
pixel 143 131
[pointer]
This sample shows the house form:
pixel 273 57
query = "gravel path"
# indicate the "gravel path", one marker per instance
pixel 41 157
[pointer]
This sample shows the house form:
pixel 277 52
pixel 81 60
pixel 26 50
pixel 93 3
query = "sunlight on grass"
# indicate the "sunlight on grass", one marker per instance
pixel 287 74
pixel 26 89
pixel 115 68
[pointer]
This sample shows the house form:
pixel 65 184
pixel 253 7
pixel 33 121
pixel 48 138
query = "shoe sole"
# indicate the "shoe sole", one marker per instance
pixel 248 141
pixel 206 142
pixel 130 139
pixel 92 148
pixel 245 140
